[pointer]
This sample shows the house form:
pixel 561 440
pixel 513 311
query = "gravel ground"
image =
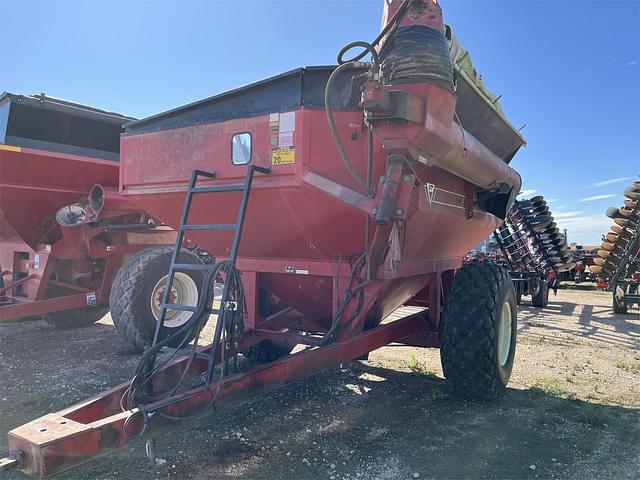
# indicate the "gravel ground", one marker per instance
pixel 571 410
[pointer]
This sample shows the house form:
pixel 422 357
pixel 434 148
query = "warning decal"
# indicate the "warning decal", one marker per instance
pixel 431 192
pixel 283 156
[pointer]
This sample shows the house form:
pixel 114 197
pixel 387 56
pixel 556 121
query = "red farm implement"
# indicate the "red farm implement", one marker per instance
pixel 51 154
pixel 327 198
pixel 617 263
pixel 535 251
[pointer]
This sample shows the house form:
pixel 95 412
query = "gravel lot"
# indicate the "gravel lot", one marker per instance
pixel 572 409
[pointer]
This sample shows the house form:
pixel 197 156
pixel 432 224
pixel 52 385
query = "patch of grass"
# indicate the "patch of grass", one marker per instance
pixel 436 393
pixel 593 415
pixel 535 323
pixel 418 368
pixel 629 367
pixel 551 386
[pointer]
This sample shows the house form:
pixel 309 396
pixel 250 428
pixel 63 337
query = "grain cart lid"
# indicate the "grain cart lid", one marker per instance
pixel 291 90
pixel 52 124
pixel 478 109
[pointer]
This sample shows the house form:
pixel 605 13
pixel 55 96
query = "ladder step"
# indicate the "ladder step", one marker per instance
pixel 193 266
pixel 202 173
pixel 186 308
pixel 227 187
pixel 213 226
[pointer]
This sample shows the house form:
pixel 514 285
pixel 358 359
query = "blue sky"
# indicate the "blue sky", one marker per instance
pixel 569 70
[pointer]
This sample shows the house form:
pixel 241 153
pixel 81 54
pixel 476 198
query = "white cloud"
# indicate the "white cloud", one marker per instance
pixel 526 193
pixel 567 215
pixel 631 64
pixel 551 200
pixel 610 182
pixel 559 207
pixel 585 230
pixel 597 197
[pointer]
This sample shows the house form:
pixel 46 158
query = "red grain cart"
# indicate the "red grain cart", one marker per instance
pixel 328 197
pixel 51 154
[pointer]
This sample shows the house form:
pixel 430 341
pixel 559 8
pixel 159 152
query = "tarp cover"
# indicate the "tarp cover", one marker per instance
pixel 478 108
pixel 463 65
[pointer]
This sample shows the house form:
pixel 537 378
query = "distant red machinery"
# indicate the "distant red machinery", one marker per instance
pixel 372 181
pixel 59 264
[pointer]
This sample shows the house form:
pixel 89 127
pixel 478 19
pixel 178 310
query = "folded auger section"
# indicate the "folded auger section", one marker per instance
pixel 618 262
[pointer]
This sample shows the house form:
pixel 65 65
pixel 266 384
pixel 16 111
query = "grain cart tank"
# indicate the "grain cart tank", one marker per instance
pixel 56 261
pixel 328 197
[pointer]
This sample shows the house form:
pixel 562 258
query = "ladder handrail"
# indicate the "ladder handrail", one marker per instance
pixel 230 261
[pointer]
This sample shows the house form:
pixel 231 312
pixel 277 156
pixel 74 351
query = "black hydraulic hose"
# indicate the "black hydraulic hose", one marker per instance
pixel 370 47
pixel 329 336
pixel 332 126
pixel 370 191
pixel 135 393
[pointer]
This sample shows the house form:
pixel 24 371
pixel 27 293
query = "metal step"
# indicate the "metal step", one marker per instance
pixel 212 226
pixel 192 266
pixel 186 308
pixel 228 187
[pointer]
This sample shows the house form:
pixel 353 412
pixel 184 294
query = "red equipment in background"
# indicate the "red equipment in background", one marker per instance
pixel 320 247
pixel 51 153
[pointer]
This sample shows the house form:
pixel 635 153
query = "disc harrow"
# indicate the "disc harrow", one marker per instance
pixel 618 259
pixel 534 248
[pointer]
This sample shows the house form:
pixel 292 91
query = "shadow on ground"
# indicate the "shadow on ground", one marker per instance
pixel 595 322
pixel 361 421
pixel 365 421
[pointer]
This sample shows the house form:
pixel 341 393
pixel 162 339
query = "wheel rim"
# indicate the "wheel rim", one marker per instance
pixel 184 291
pixel 504 334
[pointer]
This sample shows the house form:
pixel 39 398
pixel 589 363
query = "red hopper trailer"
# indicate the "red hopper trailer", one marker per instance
pixel 328 197
pixel 57 262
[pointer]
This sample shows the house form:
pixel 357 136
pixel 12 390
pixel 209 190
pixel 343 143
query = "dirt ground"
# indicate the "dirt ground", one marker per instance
pixel 572 409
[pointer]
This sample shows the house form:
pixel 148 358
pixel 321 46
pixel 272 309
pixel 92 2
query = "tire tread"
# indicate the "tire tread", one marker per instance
pixel 468 331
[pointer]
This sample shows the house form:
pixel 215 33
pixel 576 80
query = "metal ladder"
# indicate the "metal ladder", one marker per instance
pixel 237 227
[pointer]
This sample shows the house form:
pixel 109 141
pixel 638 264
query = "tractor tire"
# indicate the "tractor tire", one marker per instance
pixel 79 317
pixel 541 299
pixel 618 305
pixel 137 291
pixel 478 331
pixel 267 351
